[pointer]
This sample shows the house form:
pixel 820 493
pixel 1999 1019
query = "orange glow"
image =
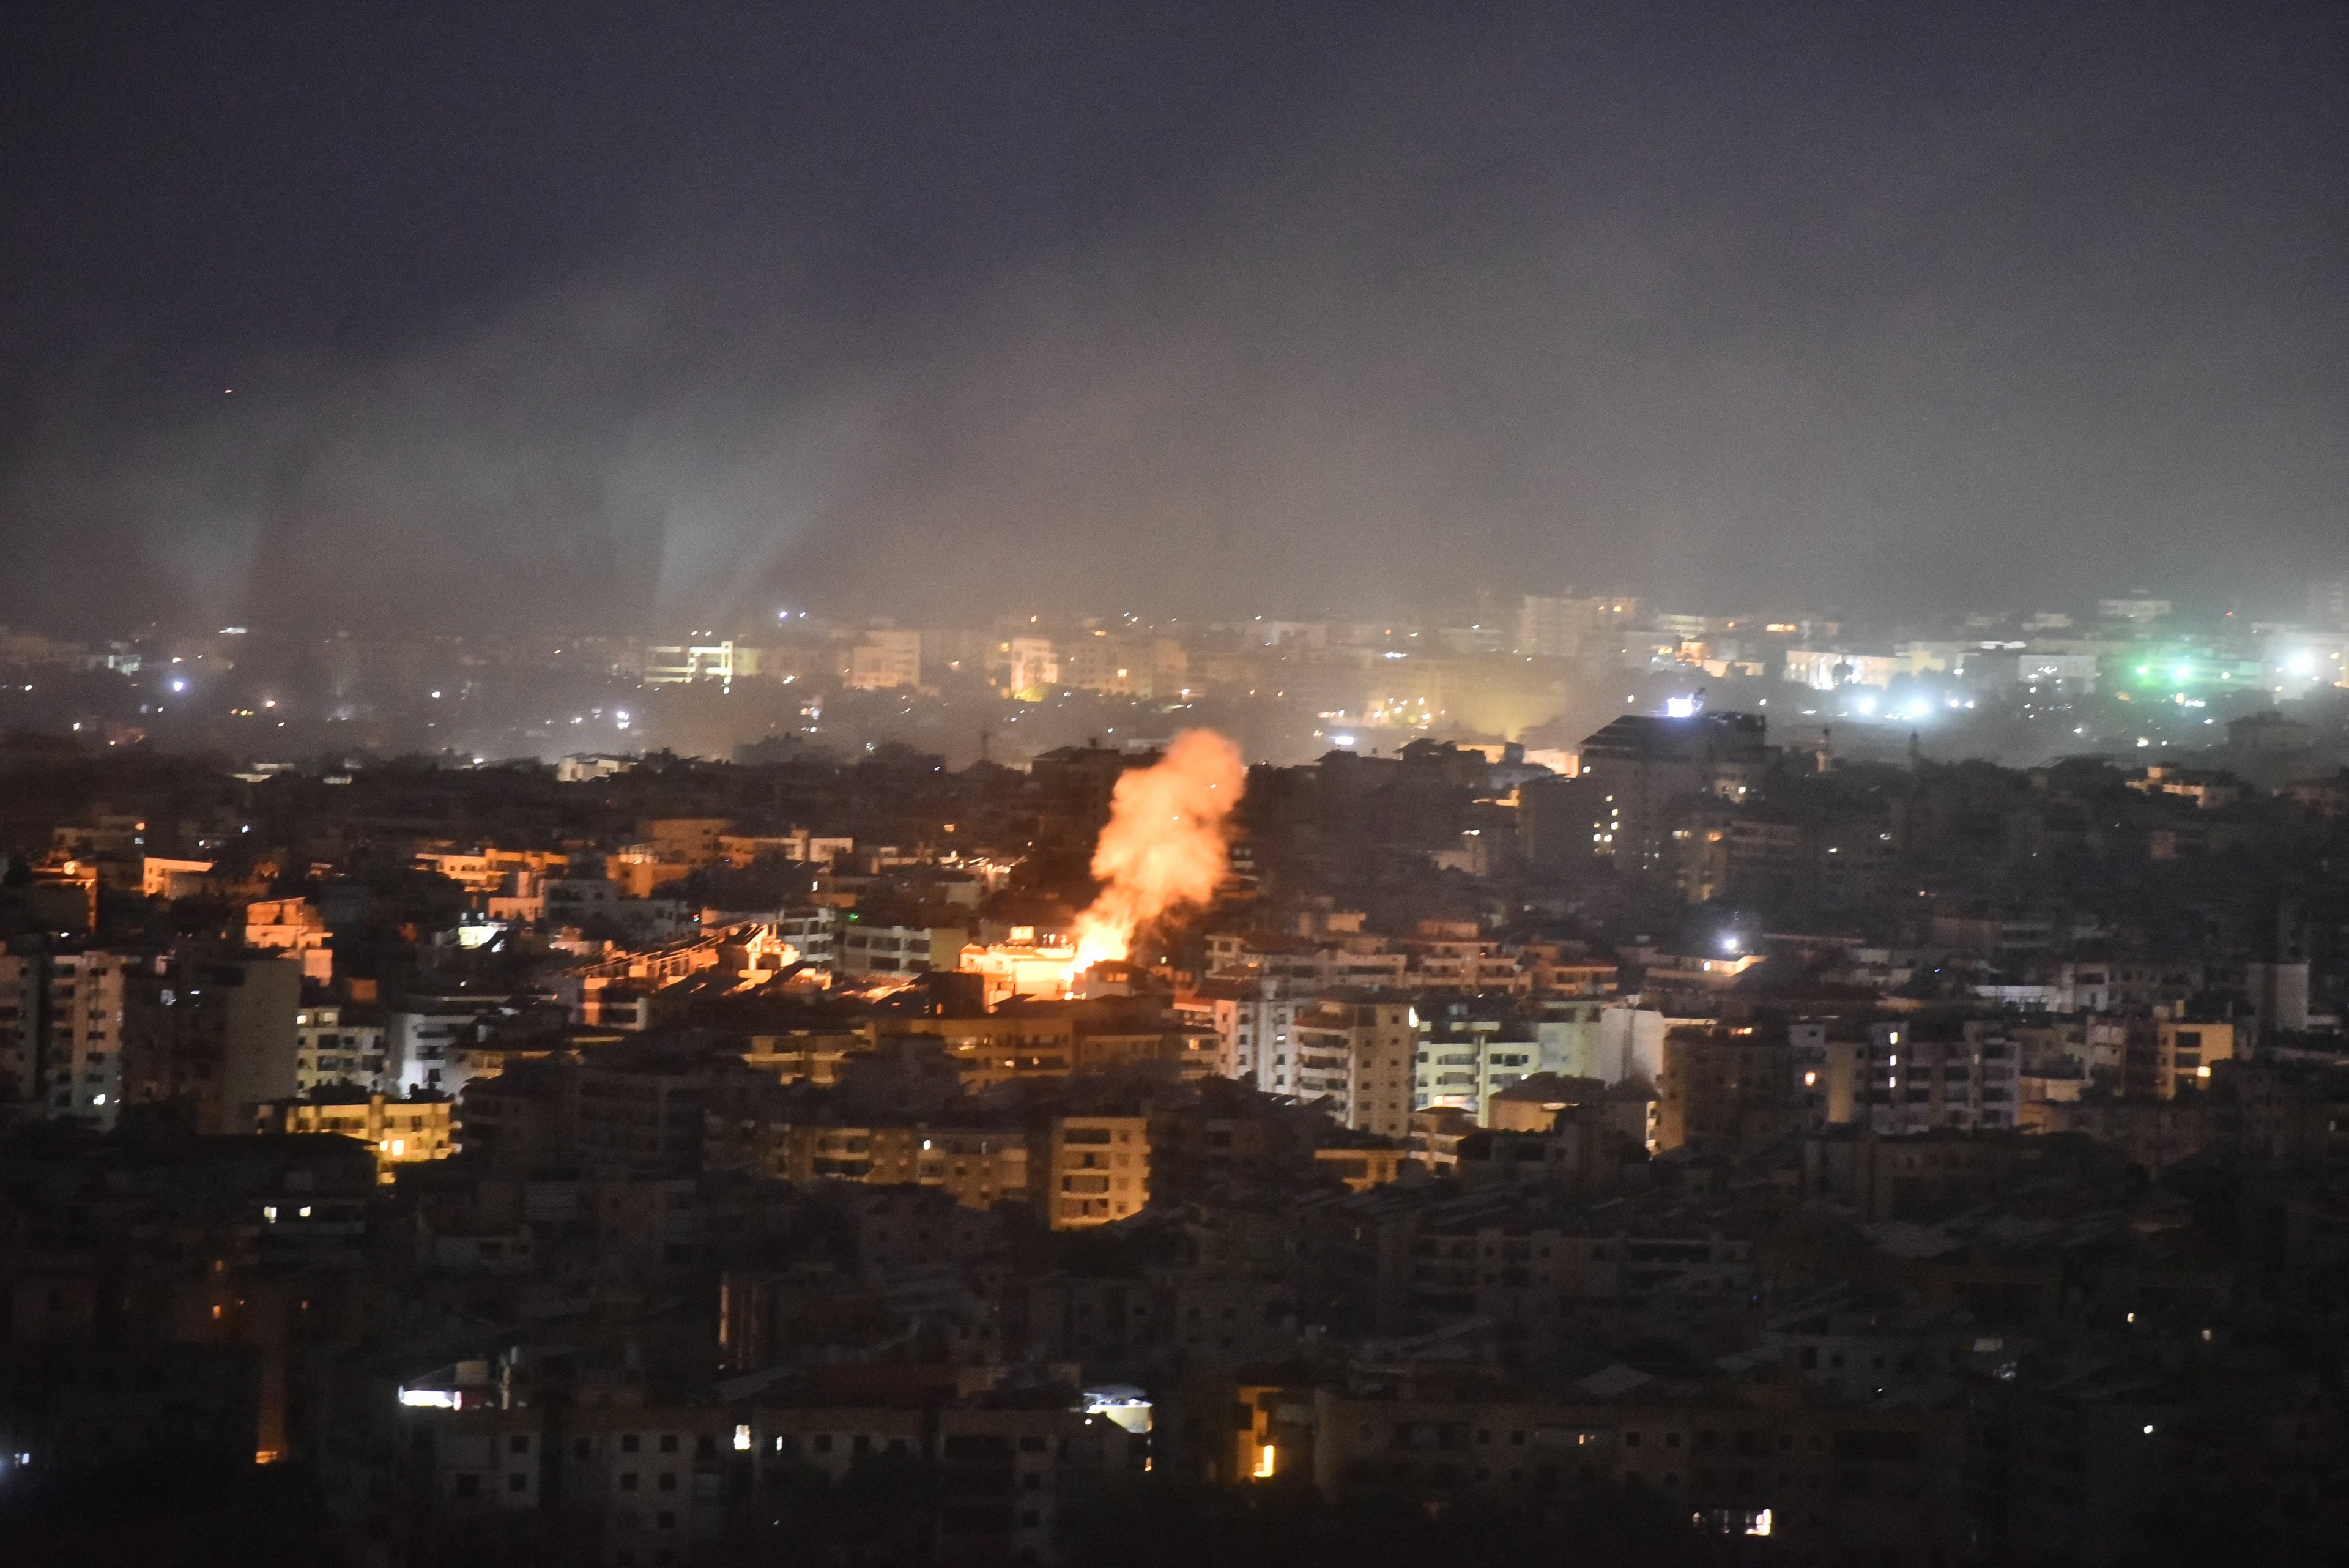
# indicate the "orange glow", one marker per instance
pixel 1164 847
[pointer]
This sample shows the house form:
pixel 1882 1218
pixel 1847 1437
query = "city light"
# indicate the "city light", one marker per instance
pixel 1078 954
pixel 1123 1403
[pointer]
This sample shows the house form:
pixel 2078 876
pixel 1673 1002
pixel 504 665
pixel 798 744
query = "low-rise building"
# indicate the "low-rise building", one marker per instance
pixel 400 1132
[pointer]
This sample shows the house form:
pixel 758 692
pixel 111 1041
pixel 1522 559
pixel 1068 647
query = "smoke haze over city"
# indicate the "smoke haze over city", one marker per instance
pixel 1271 784
pixel 422 319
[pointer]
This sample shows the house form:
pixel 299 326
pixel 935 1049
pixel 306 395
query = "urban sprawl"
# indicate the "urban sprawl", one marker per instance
pixel 1549 1075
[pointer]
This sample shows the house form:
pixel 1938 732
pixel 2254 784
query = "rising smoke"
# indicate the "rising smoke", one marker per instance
pixel 1164 848
pixel 1235 313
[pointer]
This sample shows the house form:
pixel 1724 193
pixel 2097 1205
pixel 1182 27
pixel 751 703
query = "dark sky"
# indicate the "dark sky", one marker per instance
pixel 657 316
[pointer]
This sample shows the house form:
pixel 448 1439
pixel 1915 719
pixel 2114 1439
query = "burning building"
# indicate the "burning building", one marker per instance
pixel 1022 967
pixel 1163 851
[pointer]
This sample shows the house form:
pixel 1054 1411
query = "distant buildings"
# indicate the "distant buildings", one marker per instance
pixel 1556 628
pixel 884 661
pixel 1637 769
pixel 1839 1150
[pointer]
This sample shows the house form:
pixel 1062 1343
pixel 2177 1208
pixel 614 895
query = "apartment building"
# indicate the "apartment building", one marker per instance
pixel 1921 1078
pixel 1253 1020
pixel 333 1049
pixel 218 1036
pixel 1092 1170
pixel 424 1038
pixel 80 1059
pixel 864 948
pixel 1359 1051
pixel 399 1132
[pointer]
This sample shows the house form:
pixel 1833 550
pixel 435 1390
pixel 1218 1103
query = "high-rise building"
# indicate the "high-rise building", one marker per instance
pixel 81 1057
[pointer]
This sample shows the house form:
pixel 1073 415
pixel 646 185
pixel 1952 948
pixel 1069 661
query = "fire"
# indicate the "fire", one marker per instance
pixel 1163 848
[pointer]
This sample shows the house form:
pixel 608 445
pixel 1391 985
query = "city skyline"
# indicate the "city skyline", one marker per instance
pixel 1269 783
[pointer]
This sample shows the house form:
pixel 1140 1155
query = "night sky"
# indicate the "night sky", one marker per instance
pixel 575 316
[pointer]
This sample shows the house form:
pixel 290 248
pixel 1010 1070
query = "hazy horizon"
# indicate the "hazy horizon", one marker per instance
pixel 465 320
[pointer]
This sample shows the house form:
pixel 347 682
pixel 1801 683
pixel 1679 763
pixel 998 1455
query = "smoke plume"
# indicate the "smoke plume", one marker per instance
pixel 1163 848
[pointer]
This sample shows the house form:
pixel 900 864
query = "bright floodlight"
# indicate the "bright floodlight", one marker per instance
pixel 1123 1403
pixel 1680 707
